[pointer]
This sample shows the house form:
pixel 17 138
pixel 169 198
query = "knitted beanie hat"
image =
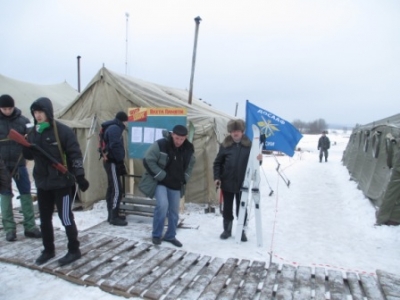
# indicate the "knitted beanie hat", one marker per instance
pixel 6 101
pixel 122 116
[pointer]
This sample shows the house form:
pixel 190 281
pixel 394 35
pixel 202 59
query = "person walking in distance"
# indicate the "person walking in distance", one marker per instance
pixel 55 188
pixel 11 152
pixel 168 164
pixel 229 172
pixel 113 162
pixel 323 145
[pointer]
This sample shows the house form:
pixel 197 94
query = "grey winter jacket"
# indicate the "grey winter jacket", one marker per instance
pixel 156 160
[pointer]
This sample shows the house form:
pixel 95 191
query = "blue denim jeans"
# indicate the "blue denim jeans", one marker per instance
pixel 22 181
pixel 167 205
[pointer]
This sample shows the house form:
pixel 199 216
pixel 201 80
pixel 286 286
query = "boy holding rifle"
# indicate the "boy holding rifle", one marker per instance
pixel 55 184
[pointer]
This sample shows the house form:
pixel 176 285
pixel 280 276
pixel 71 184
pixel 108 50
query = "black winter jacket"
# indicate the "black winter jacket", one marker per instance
pixel 45 175
pixel 114 140
pixel 231 162
pixel 10 150
pixel 324 143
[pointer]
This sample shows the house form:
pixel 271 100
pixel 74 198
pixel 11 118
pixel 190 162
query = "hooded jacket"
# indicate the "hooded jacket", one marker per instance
pixel 114 140
pixel 231 163
pixel 45 175
pixel 10 150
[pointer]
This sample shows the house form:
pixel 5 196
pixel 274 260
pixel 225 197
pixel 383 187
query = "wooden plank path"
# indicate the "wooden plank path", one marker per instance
pixel 129 268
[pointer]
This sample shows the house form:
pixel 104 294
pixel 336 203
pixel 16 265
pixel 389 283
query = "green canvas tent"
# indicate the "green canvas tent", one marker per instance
pixel 372 159
pixel 24 93
pixel 108 93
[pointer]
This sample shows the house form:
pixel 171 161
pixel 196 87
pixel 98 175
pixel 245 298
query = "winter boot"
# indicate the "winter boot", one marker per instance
pixel 33 233
pixel 115 220
pixel 45 257
pixel 29 217
pixel 227 229
pixel 70 257
pixel 244 237
pixel 11 236
pixel 7 213
pixel 122 217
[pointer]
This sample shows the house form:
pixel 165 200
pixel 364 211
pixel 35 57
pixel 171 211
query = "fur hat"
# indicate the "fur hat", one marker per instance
pixel 122 116
pixel 180 130
pixel 6 101
pixel 236 125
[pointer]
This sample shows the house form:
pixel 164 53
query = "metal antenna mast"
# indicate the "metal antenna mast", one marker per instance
pixel 126 40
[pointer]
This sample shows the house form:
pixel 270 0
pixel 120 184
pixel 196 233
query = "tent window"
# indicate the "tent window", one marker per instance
pixel 360 139
pixel 376 141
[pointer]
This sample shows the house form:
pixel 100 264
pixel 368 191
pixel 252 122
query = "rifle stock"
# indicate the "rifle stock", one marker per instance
pixel 20 139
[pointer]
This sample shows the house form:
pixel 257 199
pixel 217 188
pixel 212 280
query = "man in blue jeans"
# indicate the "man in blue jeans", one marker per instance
pixel 168 163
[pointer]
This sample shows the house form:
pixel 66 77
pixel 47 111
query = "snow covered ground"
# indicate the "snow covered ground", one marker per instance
pixel 321 219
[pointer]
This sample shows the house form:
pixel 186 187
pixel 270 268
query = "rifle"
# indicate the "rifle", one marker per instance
pixel 20 139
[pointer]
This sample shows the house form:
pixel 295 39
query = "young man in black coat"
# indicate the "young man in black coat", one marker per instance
pixel 114 165
pixel 54 187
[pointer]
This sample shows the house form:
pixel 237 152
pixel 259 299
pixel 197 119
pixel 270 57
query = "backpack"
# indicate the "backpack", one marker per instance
pixel 102 146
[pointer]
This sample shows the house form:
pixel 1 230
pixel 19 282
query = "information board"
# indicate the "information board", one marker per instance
pixel 147 124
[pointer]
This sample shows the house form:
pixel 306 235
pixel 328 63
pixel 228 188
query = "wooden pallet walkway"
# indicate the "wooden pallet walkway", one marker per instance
pixel 129 268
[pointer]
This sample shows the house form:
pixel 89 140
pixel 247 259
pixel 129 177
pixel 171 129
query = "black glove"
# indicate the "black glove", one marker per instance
pixel 121 170
pixel 82 183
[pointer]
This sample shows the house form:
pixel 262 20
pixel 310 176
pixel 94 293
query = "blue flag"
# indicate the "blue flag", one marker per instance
pixel 279 134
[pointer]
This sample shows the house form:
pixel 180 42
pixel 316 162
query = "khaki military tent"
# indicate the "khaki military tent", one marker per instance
pixel 372 158
pixel 108 93
pixel 25 93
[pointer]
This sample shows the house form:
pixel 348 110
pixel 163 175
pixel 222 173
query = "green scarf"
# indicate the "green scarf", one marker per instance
pixel 40 127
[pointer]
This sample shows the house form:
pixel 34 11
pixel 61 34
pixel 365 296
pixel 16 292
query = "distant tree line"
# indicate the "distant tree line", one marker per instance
pixel 314 127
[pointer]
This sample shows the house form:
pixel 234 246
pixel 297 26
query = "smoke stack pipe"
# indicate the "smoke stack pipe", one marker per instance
pixel 79 73
pixel 197 20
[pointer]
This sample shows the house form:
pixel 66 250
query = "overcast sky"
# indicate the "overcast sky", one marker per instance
pixel 310 59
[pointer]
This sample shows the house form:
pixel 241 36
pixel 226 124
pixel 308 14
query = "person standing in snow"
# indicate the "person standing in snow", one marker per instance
pixel 11 118
pixel 54 187
pixel 114 165
pixel 229 172
pixel 323 145
pixel 168 164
